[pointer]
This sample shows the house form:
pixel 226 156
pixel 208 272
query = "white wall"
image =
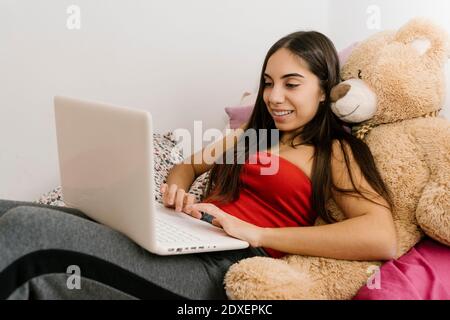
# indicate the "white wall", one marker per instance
pixel 181 60
pixel 354 20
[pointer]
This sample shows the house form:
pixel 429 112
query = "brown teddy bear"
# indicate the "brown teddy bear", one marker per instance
pixel 393 89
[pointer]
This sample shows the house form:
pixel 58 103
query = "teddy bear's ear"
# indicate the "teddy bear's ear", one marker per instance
pixel 421 45
pixel 425 37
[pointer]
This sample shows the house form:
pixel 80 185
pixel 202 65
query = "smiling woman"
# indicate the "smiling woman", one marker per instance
pixel 292 98
pixel 274 213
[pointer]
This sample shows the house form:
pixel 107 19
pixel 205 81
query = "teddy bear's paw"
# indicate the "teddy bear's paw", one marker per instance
pixel 433 212
pixel 266 279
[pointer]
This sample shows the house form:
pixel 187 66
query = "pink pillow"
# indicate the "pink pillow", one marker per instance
pixel 420 274
pixel 238 115
pixel 346 52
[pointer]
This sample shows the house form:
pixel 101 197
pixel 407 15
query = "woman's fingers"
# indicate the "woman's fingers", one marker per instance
pixel 179 199
pixel 190 200
pixel 210 209
pixel 165 194
pixel 174 197
pixel 163 189
pixel 171 194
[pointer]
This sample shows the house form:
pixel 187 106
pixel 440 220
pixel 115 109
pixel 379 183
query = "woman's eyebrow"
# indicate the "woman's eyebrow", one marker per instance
pixel 287 75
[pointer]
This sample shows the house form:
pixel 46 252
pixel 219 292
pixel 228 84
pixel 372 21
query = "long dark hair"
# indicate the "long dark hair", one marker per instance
pixel 321 57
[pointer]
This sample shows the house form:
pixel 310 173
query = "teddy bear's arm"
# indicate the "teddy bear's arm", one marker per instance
pixel 433 209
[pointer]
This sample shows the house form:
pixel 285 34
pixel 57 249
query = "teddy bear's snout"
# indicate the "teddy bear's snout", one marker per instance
pixel 339 91
pixel 353 101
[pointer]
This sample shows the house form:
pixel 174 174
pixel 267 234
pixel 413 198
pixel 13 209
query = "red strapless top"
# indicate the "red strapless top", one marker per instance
pixel 275 193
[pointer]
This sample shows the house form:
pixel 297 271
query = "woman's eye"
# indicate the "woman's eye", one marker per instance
pixel 289 85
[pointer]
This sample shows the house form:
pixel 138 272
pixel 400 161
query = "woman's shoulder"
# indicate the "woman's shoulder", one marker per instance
pixel 344 164
pixel 337 151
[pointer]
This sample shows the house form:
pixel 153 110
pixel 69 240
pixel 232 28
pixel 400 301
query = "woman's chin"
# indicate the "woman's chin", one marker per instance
pixel 284 126
pixel 287 127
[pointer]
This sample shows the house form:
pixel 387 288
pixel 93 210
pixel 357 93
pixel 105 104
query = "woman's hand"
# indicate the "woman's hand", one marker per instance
pixel 174 197
pixel 233 226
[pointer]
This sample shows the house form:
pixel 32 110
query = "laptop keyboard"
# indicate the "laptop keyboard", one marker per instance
pixel 168 233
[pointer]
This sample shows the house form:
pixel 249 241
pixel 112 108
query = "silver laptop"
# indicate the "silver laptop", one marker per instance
pixel 106 166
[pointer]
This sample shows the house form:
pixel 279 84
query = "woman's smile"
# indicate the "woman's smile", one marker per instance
pixel 282 115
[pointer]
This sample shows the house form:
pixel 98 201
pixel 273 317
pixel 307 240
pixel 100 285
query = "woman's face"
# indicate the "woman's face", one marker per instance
pixel 292 93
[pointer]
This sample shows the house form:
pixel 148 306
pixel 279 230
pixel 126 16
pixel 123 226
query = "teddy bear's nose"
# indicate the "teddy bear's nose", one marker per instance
pixel 339 91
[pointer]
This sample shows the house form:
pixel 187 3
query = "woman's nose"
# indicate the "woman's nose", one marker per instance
pixel 276 96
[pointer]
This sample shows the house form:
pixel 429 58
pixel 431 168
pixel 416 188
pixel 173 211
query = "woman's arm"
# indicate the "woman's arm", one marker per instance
pixel 366 237
pixel 368 232
pixel 182 175
pixel 185 173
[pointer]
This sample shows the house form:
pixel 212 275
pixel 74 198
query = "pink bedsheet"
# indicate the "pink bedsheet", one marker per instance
pixel 421 274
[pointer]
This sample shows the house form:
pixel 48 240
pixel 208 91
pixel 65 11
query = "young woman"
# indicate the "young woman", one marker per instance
pixel 318 160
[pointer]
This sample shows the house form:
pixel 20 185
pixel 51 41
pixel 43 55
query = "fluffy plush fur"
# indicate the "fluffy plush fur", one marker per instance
pixel 404 69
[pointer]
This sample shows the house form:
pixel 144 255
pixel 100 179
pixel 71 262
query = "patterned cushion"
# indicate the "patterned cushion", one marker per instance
pixel 166 154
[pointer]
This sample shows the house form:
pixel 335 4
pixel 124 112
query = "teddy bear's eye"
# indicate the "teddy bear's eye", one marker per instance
pixel 359 74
